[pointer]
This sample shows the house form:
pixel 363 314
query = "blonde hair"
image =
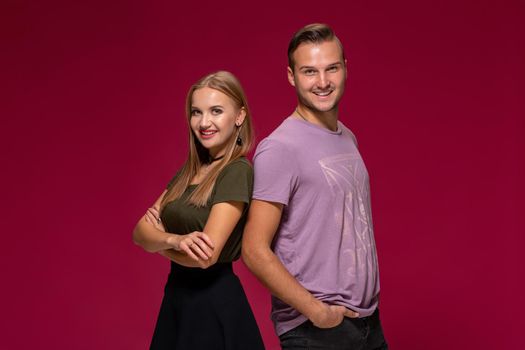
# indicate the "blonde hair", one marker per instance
pixel 228 84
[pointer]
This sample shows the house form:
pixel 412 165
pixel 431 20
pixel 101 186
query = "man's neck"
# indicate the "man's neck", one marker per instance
pixel 326 120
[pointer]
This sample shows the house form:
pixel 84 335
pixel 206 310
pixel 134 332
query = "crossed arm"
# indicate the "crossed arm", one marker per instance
pixel 197 249
pixel 263 221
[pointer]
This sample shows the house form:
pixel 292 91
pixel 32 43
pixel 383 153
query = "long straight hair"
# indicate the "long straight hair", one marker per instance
pixel 228 84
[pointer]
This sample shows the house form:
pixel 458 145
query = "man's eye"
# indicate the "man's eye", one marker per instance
pixel 333 69
pixel 309 72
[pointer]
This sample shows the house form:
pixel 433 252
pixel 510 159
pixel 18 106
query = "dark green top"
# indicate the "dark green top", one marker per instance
pixel 234 183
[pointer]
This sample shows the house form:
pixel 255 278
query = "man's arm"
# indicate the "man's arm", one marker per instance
pixel 263 221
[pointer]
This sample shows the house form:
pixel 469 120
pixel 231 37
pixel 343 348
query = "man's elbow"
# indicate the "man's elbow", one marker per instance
pixel 250 255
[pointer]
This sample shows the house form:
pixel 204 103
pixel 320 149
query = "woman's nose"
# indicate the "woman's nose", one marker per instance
pixel 205 121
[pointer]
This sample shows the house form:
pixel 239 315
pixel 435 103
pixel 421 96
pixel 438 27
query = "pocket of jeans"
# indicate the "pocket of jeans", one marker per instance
pixel 338 326
pixel 294 338
pixel 329 329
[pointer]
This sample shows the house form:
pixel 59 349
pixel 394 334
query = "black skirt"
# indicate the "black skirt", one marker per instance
pixel 205 309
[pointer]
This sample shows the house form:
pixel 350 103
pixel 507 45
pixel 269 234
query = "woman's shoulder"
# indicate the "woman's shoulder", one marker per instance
pixel 239 166
pixel 240 163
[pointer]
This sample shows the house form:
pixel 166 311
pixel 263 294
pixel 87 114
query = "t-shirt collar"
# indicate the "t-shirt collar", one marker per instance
pixel 317 127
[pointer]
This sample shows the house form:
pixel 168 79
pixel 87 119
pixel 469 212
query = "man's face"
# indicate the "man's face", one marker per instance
pixel 319 75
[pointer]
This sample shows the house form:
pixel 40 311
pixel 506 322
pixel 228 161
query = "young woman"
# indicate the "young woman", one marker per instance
pixel 197 223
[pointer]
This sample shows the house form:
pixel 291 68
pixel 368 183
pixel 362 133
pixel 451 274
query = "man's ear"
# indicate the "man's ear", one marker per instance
pixel 290 76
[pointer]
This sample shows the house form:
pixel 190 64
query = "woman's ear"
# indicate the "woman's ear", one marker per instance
pixel 240 118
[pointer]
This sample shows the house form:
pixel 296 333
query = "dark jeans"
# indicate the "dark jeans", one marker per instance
pixel 352 334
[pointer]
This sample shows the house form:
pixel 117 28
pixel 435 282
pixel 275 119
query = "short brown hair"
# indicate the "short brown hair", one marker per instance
pixel 316 33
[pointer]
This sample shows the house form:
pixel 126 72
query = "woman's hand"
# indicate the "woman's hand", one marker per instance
pixel 153 217
pixel 197 245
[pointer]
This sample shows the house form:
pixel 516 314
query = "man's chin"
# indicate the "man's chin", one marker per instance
pixel 316 107
pixel 323 108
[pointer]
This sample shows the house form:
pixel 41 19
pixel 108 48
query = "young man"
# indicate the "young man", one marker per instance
pixel 309 236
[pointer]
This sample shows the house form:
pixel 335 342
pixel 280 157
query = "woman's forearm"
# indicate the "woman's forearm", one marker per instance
pixel 152 239
pixel 183 259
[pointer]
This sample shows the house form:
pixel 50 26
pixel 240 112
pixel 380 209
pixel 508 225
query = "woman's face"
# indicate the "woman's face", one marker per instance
pixel 213 119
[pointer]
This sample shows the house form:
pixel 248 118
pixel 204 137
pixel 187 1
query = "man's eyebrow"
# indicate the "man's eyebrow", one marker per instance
pixel 327 66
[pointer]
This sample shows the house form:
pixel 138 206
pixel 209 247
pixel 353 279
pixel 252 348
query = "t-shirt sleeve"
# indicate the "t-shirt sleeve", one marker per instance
pixel 235 183
pixel 274 169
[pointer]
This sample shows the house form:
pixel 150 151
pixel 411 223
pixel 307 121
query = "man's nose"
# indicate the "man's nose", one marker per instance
pixel 323 81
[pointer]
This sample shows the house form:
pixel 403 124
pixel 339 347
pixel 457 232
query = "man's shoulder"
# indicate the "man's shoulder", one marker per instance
pixel 281 147
pixel 285 135
pixel 284 128
pixel 346 130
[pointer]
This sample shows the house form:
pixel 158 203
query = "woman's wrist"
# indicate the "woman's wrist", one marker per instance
pixel 172 240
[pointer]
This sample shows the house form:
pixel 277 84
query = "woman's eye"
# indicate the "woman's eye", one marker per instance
pixel 195 112
pixel 216 111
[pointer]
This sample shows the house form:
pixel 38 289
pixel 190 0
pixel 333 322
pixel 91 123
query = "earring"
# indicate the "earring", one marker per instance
pixel 239 139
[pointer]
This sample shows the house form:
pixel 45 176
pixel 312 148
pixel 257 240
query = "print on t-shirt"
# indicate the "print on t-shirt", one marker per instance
pixel 343 172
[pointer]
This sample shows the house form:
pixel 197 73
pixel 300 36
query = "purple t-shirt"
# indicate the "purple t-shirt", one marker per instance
pixel 325 238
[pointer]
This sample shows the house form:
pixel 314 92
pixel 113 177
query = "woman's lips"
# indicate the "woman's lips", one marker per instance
pixel 207 134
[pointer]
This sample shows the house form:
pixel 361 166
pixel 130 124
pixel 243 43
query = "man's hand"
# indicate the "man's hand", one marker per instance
pixel 329 316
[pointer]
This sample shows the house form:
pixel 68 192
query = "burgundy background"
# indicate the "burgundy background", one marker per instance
pixel 92 129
